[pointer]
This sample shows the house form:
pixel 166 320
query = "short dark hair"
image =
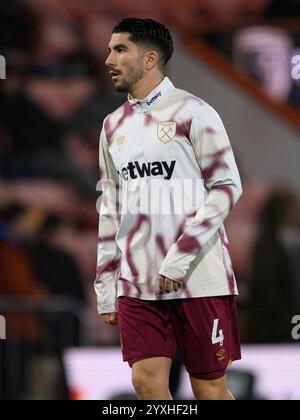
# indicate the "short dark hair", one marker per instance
pixel 149 32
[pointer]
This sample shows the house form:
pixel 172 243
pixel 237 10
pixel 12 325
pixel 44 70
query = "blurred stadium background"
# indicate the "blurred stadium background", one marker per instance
pixel 238 55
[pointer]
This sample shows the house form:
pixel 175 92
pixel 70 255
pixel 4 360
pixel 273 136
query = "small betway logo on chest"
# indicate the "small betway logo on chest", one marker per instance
pixel 136 170
pixel 154 98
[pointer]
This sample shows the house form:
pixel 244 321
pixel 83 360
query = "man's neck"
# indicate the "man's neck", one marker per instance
pixel 143 88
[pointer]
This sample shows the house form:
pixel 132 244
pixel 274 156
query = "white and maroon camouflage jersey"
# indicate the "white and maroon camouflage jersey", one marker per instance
pixel 176 180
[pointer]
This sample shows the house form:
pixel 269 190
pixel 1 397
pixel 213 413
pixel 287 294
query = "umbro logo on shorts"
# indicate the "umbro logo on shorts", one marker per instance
pixel 221 355
pixel 136 170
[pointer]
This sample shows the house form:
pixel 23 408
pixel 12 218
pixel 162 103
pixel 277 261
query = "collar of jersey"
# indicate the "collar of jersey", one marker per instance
pixel 155 96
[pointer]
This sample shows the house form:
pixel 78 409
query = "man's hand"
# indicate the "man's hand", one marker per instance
pixel 167 285
pixel 111 318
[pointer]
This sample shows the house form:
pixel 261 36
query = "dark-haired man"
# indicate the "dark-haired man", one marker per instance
pixel 164 274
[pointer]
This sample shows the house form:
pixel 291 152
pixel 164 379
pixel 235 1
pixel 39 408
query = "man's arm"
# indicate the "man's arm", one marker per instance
pixel 108 251
pixel 222 184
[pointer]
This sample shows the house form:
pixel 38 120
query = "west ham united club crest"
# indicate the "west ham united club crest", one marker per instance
pixel 166 131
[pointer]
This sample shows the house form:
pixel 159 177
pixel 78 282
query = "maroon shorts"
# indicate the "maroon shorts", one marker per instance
pixel 204 329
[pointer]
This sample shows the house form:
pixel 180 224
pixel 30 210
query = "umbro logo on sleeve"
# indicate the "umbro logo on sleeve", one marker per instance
pixel 136 170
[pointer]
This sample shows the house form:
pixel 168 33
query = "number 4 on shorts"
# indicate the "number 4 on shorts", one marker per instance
pixel 215 338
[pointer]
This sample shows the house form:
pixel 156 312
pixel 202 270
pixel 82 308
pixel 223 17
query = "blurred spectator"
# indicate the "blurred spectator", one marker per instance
pixel 18 280
pixel 34 117
pixel 275 289
pixel 76 162
pixel 26 127
pixel 16 271
pixel 263 54
pixel 59 87
pixel 56 268
pixel 56 38
pixel 59 274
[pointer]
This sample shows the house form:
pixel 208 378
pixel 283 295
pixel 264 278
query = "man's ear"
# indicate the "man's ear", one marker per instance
pixel 151 59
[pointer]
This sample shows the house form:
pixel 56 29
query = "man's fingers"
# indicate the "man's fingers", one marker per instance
pixel 178 285
pixel 167 285
pixel 110 319
pixel 105 317
pixel 161 284
pixel 175 286
pixel 113 320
